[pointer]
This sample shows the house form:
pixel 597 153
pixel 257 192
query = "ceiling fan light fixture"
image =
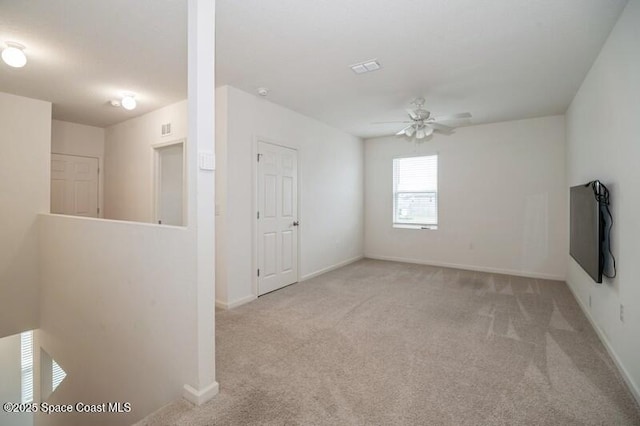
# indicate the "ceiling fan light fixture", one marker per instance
pixel 422 124
pixel 428 131
pixel 13 55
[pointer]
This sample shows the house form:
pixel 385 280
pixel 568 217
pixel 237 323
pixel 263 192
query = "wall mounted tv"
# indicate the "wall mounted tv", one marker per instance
pixel 587 227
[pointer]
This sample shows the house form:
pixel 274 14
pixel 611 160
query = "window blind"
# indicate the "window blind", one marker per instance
pixel 57 375
pixel 415 191
pixel 26 365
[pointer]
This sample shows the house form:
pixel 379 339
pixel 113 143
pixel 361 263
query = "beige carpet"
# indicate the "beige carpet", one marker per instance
pixel 384 343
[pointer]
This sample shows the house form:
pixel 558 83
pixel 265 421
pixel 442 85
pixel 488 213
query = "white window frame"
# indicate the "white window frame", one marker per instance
pixel 420 226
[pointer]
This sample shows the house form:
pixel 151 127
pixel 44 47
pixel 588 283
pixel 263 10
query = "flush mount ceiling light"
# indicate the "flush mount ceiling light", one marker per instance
pixel 13 55
pixel 128 101
pixel 367 66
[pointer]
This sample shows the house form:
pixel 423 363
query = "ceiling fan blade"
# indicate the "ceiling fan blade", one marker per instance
pixel 453 117
pixel 412 114
pixel 403 131
pixel 390 122
pixel 441 127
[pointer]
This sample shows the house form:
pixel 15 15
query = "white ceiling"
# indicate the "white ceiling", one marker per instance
pixel 498 59
pixel 82 53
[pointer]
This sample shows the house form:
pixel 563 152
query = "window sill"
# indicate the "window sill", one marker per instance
pixel 418 227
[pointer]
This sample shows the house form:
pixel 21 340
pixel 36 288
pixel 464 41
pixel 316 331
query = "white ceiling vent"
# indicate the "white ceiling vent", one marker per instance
pixel 367 66
pixel 166 129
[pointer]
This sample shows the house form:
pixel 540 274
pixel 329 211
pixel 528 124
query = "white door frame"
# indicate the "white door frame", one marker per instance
pixel 254 204
pixel 155 182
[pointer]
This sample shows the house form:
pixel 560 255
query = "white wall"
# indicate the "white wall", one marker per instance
pixel 81 140
pixel 117 312
pixel 330 188
pixel 25 162
pixel 126 309
pixel 129 161
pixel 603 143
pixel 502 199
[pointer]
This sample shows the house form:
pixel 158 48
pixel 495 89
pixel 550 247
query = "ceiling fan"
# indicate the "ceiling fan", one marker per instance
pixel 422 124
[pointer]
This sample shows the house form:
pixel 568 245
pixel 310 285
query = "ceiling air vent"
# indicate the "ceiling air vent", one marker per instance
pixel 367 66
pixel 166 129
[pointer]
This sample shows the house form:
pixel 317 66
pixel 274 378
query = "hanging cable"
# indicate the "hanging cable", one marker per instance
pixel 601 193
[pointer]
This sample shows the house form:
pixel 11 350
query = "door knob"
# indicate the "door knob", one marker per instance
pixel 296 223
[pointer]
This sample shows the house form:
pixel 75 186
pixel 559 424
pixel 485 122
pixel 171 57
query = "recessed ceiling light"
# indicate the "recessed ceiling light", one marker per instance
pixel 366 66
pixel 13 55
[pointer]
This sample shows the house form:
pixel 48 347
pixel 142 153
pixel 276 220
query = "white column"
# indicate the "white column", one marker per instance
pixel 201 218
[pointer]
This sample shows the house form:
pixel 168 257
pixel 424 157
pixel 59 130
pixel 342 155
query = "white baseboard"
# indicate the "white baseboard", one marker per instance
pixel 199 397
pixel 250 298
pixel 235 303
pixel 468 267
pixel 633 387
pixel 330 268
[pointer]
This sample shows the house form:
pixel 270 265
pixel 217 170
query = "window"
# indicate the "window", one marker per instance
pixel 26 365
pixel 415 192
pixel 57 375
pixel 49 382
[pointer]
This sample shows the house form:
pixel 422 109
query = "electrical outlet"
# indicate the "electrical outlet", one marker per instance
pixel 621 312
pixel 589 300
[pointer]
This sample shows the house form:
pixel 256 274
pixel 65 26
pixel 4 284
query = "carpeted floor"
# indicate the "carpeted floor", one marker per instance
pixel 384 343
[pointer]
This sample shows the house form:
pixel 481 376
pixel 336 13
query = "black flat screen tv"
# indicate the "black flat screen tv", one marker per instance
pixel 587 230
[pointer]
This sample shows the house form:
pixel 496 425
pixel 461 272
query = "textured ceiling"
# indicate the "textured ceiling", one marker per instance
pixel 498 59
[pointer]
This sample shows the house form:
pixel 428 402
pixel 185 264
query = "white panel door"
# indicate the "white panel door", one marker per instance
pixel 277 217
pixel 170 185
pixel 74 185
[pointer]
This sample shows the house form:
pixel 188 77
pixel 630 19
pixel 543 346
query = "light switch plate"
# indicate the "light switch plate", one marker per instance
pixel 206 161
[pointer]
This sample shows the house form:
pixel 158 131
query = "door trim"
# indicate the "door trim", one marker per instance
pixel 155 182
pixel 254 204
